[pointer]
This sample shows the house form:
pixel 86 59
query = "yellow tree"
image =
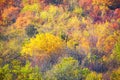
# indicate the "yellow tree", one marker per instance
pixel 43 44
pixel 45 49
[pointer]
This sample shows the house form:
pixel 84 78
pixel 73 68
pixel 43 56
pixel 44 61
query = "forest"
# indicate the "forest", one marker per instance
pixel 59 39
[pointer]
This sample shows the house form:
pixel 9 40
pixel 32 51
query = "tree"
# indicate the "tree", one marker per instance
pixel 94 76
pixel 115 74
pixel 53 1
pixel 4 5
pixel 33 8
pixel 31 31
pixel 10 14
pixel 43 44
pixel 116 51
pixel 45 50
pixel 15 71
pixel 112 4
pixel 67 69
pixel 24 20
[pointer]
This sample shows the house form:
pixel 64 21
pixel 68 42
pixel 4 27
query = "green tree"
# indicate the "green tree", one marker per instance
pixel 67 69
pixel 116 51
pixel 94 76
pixel 14 71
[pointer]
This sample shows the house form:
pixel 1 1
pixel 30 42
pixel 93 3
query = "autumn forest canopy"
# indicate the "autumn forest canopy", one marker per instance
pixel 59 39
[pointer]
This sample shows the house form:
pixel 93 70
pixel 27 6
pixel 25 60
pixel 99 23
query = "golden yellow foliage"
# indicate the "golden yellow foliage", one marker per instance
pixel 73 22
pixel 94 76
pixel 43 44
pixel 72 44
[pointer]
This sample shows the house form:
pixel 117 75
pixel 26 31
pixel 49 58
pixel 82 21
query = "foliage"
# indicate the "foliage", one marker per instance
pixel 112 4
pixel 15 71
pixel 103 2
pixel 78 10
pixel 59 39
pixel 115 74
pixel 116 51
pixel 1 45
pixel 67 69
pixel 24 20
pixel 43 44
pixel 72 44
pixel 10 14
pixel 53 1
pixel 94 76
pixel 31 30
pixel 33 8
